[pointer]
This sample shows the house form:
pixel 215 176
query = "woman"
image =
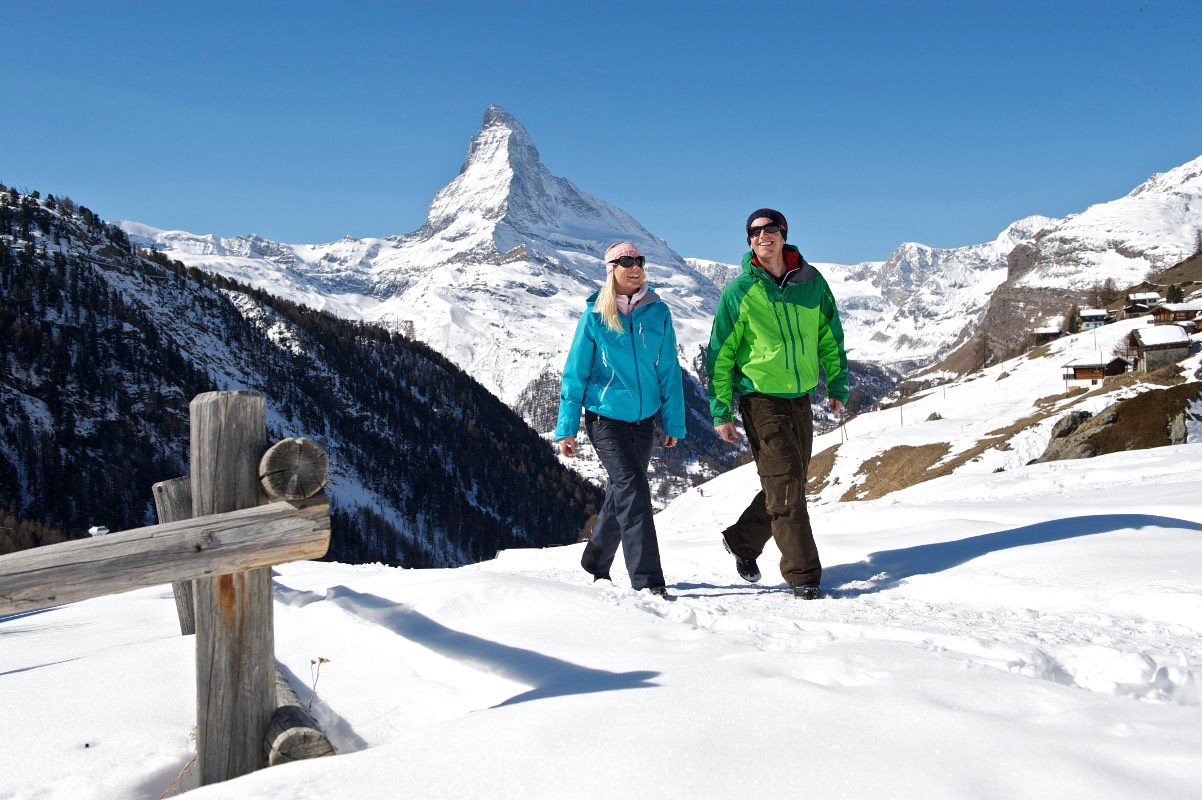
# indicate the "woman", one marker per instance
pixel 621 370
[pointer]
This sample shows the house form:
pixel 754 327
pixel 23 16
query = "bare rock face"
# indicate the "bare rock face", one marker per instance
pixel 1071 436
pixel 1155 418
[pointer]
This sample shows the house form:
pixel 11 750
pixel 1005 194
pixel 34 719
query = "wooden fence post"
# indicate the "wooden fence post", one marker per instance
pixel 173 501
pixel 235 643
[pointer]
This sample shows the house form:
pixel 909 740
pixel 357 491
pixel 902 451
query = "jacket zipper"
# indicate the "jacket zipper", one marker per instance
pixel 638 380
pixel 776 313
pixel 793 343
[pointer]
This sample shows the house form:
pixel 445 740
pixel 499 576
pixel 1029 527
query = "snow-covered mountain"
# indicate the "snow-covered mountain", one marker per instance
pixel 1072 261
pixel 496 277
pixel 1155 226
pixel 915 307
pixel 495 280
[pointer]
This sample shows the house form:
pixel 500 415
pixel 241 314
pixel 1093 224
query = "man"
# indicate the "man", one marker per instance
pixel 774 326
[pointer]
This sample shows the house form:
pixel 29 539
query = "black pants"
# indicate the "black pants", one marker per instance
pixel 626 517
pixel 781 434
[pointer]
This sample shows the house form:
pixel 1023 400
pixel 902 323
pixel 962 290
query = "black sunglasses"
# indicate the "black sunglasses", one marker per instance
pixel 626 262
pixel 754 230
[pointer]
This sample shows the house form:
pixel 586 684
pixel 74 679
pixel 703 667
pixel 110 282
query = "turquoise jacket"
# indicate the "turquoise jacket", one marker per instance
pixel 626 376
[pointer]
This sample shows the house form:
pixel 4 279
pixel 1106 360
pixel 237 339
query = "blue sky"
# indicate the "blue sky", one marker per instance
pixel 867 123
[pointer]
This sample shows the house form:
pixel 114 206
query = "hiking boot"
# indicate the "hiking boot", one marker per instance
pixel 748 569
pixel 659 591
pixel 807 591
pixel 603 576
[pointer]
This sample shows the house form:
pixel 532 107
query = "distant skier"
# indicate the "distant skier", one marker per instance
pixel 622 369
pixel 774 325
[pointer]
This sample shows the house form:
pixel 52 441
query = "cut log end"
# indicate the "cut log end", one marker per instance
pixel 294 469
pixel 293 735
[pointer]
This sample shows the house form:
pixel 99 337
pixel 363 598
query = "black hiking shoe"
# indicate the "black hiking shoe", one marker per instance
pixel 604 576
pixel 807 591
pixel 748 569
pixel 660 591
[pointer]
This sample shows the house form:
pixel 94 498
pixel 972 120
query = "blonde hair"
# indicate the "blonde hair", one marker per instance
pixel 606 304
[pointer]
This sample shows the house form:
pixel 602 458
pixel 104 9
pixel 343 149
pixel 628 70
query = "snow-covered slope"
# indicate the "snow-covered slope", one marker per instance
pixel 1155 226
pixel 996 419
pixel 1034 633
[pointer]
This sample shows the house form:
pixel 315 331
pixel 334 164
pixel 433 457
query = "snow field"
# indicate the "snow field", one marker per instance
pixel 1029 633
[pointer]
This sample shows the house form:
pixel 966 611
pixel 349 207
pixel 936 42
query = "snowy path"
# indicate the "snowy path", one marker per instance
pixel 1032 633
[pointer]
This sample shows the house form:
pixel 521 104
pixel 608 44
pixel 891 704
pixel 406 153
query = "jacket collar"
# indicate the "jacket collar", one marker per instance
pixel 793 258
pixel 647 299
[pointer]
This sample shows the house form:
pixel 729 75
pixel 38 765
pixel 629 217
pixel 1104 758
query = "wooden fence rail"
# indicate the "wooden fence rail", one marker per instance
pixel 176 551
pixel 218 537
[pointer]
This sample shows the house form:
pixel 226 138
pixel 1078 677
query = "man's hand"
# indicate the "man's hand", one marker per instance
pixel 670 441
pixel 836 405
pixel 728 432
pixel 567 446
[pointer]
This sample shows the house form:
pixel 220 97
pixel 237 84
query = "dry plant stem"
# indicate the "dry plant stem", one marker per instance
pixel 187 770
pixel 315 675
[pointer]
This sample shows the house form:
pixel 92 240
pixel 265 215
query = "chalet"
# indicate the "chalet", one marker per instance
pixel 1091 371
pixel 1094 318
pixel 1176 313
pixel 1046 334
pixel 1140 303
pixel 1157 345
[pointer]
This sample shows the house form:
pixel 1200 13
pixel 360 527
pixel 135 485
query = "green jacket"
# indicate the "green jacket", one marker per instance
pixel 771 340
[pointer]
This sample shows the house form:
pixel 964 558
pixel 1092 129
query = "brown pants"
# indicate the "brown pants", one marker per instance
pixel 781 434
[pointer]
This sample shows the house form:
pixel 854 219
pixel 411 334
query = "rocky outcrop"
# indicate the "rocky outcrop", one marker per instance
pixel 1155 418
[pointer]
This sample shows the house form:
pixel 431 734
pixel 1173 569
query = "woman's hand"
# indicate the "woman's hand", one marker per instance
pixel 567 446
pixel 670 441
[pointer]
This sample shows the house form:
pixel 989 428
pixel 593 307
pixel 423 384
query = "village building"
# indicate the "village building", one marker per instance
pixel 1092 371
pixel 1176 313
pixel 1157 345
pixel 1140 303
pixel 1046 334
pixel 1094 318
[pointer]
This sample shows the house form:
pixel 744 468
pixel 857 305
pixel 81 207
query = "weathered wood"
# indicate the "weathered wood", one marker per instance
pixel 293 469
pixel 235 642
pixel 173 501
pixel 285 695
pixel 293 733
pixel 176 551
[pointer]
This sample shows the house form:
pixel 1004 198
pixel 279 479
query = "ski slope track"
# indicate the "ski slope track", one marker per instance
pixel 1032 633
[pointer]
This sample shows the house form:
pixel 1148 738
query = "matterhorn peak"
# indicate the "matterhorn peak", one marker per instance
pixel 501 144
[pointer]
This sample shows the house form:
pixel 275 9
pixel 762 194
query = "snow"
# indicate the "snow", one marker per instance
pixel 1027 633
pixel 1193 423
pixel 1026 394
pixel 1161 334
pixel 1153 227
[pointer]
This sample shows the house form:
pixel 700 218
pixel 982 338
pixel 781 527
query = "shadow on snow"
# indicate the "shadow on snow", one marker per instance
pixel 886 569
pixel 548 677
